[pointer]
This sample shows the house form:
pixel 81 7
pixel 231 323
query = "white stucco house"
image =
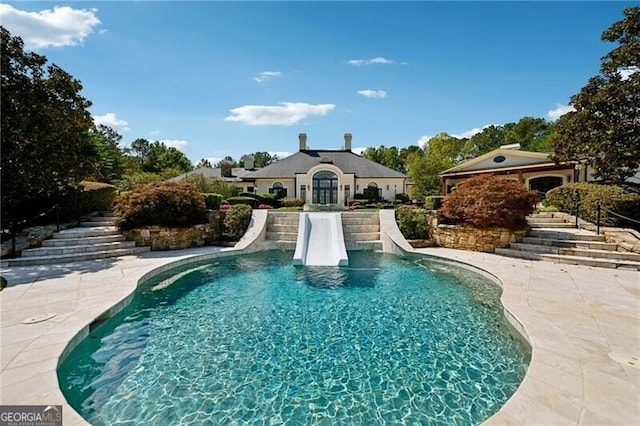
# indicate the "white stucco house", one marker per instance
pixel 327 177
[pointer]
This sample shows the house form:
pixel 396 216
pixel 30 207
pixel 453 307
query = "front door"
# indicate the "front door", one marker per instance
pixel 325 188
pixel 544 184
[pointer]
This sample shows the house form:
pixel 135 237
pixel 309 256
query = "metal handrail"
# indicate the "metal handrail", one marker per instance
pixel 599 209
pixel 13 227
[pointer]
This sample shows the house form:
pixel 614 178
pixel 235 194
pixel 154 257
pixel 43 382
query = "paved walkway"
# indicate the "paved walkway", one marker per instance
pixel 583 323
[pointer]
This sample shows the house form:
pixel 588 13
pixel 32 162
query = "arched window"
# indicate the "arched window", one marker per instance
pixel 278 189
pixel 325 188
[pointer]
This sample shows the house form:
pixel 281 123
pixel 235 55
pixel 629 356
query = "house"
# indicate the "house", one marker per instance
pixel 235 176
pixel 327 177
pixel 534 170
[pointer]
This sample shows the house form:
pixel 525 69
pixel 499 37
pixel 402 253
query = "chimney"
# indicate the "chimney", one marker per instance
pixel 347 141
pixel 248 162
pixel 225 168
pixel 302 137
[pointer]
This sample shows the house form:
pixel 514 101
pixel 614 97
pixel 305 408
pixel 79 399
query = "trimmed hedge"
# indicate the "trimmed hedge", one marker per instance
pixel 488 201
pixel 433 202
pixel 249 201
pixel 292 202
pixel 412 222
pixel 212 201
pixel 237 220
pixel 610 197
pixel 160 203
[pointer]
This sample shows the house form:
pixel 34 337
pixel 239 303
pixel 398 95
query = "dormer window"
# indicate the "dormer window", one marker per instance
pixel 325 159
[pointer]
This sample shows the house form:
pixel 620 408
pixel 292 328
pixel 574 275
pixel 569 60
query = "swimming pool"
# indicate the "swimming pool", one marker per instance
pixel 254 339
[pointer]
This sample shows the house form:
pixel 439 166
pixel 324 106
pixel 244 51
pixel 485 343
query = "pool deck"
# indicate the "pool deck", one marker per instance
pixel 583 324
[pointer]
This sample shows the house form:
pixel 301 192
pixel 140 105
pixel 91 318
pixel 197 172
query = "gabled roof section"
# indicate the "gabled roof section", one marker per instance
pixel 501 158
pixel 347 161
pixel 237 174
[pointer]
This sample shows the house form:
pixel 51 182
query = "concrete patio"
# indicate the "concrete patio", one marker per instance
pixel 582 322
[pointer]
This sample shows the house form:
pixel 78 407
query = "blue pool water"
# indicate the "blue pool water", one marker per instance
pixel 255 340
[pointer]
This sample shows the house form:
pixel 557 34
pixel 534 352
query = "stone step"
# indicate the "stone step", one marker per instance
pixel 362 236
pixel 544 214
pixel 91 224
pixel 544 219
pixel 75 257
pixel 281 227
pixel 61 242
pixel 574 235
pixel 348 220
pixel 101 219
pixel 602 254
pixel 364 245
pixel 572 260
pixel 350 229
pixel 282 236
pixel 97 231
pixel 594 245
pixel 83 248
pixel 551 225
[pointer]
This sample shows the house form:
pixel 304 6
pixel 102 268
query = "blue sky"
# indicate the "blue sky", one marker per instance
pixel 230 78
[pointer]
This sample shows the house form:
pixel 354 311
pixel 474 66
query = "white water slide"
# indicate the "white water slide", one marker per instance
pixel 320 240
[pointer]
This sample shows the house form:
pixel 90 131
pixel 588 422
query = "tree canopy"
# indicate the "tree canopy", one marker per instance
pixel 46 143
pixel 604 129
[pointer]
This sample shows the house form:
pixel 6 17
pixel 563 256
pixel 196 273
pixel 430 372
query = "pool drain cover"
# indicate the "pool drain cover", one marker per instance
pixel 39 318
pixel 626 359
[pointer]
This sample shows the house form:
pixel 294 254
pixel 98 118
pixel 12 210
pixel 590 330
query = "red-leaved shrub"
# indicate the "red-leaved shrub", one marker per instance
pixel 160 203
pixel 489 201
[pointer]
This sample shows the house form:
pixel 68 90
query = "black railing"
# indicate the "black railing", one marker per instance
pixel 618 215
pixel 15 227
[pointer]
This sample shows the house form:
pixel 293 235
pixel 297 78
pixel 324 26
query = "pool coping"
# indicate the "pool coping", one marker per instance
pixel 583 324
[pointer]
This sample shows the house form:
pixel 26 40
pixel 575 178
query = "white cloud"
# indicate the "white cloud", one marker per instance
pixel 214 160
pixel 358 150
pixel 110 119
pixel 472 132
pixel 422 142
pixel 267 75
pixel 560 109
pixel 372 61
pixel 283 114
pixel 62 26
pixel 627 72
pixel 281 154
pixel 155 132
pixel 176 143
pixel 373 93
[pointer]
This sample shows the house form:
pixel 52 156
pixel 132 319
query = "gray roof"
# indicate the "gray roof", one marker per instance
pixel 237 174
pixel 346 161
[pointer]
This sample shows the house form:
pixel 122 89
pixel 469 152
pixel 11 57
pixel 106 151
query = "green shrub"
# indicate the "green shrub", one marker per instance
pixel 433 202
pixel 211 185
pixel 271 199
pixel 97 196
pixel 412 222
pixel 139 178
pixel 488 201
pixel 610 197
pixel 212 201
pixel 402 198
pixel 250 201
pixel 292 202
pixel 236 221
pixel 160 203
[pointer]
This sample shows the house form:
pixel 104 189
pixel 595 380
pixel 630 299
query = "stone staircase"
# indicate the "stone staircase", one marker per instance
pixel 553 239
pixel 95 238
pixel 282 230
pixel 361 230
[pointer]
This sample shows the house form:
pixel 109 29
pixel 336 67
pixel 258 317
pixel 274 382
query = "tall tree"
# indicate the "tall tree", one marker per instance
pixel 45 138
pixel 162 158
pixel 203 163
pixel 112 159
pixel 440 153
pixel 604 129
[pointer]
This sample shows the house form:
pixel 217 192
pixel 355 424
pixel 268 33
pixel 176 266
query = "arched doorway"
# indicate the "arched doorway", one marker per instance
pixel 544 184
pixel 325 188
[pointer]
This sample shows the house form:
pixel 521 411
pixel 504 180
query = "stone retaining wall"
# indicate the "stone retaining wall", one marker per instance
pixel 166 238
pixel 470 238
